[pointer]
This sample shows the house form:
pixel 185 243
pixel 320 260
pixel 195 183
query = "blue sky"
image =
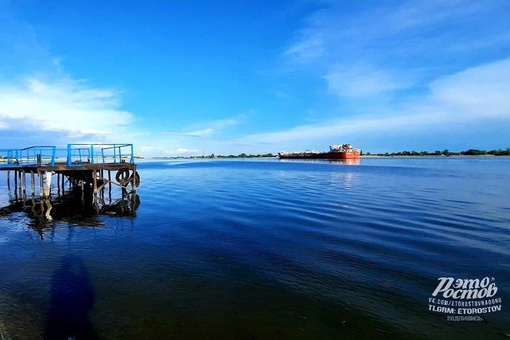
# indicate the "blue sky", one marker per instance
pixel 226 77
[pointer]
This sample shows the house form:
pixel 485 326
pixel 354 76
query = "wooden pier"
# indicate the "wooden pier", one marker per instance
pixel 90 166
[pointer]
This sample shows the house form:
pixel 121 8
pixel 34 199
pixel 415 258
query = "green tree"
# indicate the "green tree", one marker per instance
pixel 474 152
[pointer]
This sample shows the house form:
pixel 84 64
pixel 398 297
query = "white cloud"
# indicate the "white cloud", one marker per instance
pixel 196 134
pixel 208 128
pixel 192 140
pixel 479 91
pixel 224 123
pixel 63 105
pixel 473 95
pixel 363 80
pixel 167 151
pixel 310 47
pixel 181 151
pixel 423 15
pixel 391 46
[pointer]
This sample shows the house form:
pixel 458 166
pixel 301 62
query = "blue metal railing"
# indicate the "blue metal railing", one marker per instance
pixel 79 154
pixel 29 156
pixel 8 157
pixel 74 154
pixel 33 155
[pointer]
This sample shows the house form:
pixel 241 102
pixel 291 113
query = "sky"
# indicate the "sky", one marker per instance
pixel 181 78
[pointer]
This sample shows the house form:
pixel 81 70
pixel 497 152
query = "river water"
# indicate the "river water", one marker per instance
pixel 258 249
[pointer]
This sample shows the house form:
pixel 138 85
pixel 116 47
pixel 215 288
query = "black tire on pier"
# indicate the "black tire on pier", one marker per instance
pixel 122 177
pixel 137 178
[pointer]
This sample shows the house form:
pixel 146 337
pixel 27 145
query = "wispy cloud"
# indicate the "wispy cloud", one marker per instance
pixel 195 138
pixel 476 92
pixel 194 134
pixel 473 95
pixel 225 123
pixel 207 128
pixel 309 47
pixel 41 101
pixel 378 49
pixel 151 151
pixel 182 151
pixel 63 105
pixel 364 80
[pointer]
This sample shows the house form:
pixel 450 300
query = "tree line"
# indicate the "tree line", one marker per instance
pixel 242 155
pixel 446 152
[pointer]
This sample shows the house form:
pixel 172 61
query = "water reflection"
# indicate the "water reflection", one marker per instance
pixel 348 180
pixel 332 161
pixel 72 300
pixel 79 207
pixel 347 161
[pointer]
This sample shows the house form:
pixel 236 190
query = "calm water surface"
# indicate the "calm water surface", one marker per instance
pixel 258 249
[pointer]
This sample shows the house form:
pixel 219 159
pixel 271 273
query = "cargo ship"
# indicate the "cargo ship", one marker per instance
pixel 336 151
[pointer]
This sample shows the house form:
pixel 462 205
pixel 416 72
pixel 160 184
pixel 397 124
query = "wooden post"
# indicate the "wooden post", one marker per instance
pixel 23 182
pixel 48 184
pixel 41 190
pixel 133 181
pixel 94 181
pixel 8 179
pixel 102 184
pixel 109 187
pixel 20 184
pixel 32 181
pixel 82 194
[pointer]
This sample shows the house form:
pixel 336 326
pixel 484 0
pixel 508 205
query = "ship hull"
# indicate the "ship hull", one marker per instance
pixel 322 155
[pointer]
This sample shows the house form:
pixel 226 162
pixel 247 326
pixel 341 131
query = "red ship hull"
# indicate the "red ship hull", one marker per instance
pixel 321 155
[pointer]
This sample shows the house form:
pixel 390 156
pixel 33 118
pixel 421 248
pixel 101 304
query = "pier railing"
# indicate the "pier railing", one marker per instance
pixel 73 155
pixel 79 154
pixel 8 157
pixel 31 156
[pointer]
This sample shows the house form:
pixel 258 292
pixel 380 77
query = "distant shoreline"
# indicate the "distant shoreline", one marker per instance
pixel 155 158
pixel 427 156
pixel 437 153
